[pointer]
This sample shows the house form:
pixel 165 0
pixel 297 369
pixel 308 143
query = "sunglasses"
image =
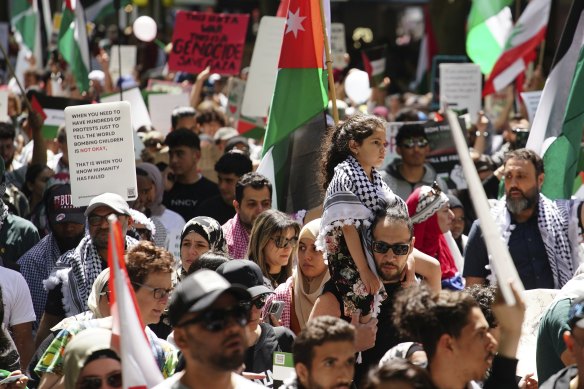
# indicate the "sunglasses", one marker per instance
pixel 159 293
pixel 113 380
pixel 260 301
pixel 398 248
pixel 216 320
pixel 97 220
pixel 282 242
pixel 411 143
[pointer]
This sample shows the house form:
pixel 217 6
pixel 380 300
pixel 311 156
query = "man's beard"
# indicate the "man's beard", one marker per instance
pixel 68 243
pixel 388 278
pixel 526 201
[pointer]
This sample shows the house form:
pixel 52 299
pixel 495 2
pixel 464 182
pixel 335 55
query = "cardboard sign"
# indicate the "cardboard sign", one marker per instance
pixel 236 88
pixel 263 68
pixel 128 64
pixel 208 39
pixel 140 116
pixel 161 107
pixel 460 87
pixel 338 45
pixel 101 151
pixel 531 100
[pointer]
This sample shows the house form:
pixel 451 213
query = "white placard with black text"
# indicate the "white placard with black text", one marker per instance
pixel 460 87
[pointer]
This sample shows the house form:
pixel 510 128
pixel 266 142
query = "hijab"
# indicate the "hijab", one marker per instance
pixel 96 289
pixel 155 176
pixel 208 228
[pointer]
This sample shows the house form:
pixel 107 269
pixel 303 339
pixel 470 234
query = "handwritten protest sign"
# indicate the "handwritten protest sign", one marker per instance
pixel 208 39
pixel 128 54
pixel 531 100
pixel 460 87
pixel 101 151
pixel 338 45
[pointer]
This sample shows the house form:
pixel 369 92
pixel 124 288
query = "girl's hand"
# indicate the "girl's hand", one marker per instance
pixel 371 281
pixel 408 276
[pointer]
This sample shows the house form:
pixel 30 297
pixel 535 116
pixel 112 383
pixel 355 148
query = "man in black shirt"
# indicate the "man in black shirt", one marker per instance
pixel 187 186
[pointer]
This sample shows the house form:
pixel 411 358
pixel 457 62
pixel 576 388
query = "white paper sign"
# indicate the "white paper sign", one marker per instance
pixel 460 87
pixel 161 107
pixel 531 100
pixel 128 61
pixel 4 28
pixel 236 87
pixel 4 105
pixel 101 151
pixel 338 45
pixel 263 69
pixel 140 116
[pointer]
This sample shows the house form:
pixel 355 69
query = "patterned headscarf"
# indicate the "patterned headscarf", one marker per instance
pixel 208 228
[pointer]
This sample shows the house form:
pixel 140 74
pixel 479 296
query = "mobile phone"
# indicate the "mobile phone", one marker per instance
pixel 11 379
pixel 275 309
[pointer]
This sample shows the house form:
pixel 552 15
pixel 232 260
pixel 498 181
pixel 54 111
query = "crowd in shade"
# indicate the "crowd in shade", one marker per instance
pixel 322 246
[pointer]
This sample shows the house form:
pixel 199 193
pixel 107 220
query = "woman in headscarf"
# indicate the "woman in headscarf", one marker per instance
pixel 430 212
pixel 168 223
pixel 301 290
pixel 199 235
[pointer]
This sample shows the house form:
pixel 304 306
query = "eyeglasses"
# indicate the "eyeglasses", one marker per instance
pixel 282 242
pixel 159 293
pixel 398 248
pixel 106 294
pixel 90 382
pixel 412 142
pixel 97 220
pixel 216 320
pixel 260 301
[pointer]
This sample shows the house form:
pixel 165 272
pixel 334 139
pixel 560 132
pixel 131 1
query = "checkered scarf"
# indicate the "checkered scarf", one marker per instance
pixel 237 238
pixel 3 207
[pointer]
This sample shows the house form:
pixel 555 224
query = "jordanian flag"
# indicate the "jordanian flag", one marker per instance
pixel 489 23
pixel 374 62
pixel 96 10
pixel 300 93
pixel 25 18
pixel 52 109
pixel 527 34
pixel 557 127
pixel 73 44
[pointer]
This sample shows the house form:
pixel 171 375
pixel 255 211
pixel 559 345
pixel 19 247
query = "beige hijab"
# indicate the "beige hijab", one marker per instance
pixel 96 289
pixel 304 299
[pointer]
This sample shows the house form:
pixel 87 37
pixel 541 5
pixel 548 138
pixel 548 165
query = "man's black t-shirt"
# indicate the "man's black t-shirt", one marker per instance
pixel 259 357
pixel 183 198
pixel 216 208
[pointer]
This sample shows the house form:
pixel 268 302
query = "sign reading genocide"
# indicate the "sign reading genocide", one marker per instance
pixel 208 39
pixel 101 151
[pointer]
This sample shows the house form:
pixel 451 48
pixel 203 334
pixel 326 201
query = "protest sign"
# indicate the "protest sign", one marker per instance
pixel 236 88
pixel 338 45
pixel 101 151
pixel 52 109
pixel 161 106
pixel 460 87
pixel 263 68
pixel 128 53
pixel 531 100
pixel 435 75
pixel 208 39
pixel 4 106
pixel 168 87
pixel 4 28
pixel 140 116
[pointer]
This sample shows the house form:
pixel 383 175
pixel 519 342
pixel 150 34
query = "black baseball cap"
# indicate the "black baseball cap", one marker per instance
pixel 246 273
pixel 60 207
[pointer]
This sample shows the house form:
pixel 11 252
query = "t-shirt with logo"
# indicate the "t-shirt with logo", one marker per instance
pixel 183 198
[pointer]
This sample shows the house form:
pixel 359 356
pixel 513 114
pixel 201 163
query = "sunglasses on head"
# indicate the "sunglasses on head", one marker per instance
pixel 215 320
pixel 412 142
pixel 398 248
pixel 282 242
pixel 113 380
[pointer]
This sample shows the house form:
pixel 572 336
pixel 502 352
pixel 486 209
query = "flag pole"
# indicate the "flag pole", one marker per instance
pixel 5 54
pixel 541 53
pixel 329 65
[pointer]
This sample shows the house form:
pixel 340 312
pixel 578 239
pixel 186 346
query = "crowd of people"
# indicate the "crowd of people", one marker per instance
pixel 385 283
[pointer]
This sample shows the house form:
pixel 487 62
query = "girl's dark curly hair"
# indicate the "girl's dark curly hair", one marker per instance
pixel 335 148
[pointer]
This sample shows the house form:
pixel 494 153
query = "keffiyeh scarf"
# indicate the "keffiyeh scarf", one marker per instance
pixel 558 225
pixel 3 207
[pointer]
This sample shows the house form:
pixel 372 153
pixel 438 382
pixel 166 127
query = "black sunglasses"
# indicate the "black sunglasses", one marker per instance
pixel 398 248
pixel 260 301
pixel 282 242
pixel 412 142
pixel 113 380
pixel 216 320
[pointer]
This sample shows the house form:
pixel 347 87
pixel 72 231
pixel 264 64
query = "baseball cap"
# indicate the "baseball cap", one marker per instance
pixel 576 314
pixel 247 273
pixel 112 200
pixel 225 133
pixel 60 208
pixel 198 292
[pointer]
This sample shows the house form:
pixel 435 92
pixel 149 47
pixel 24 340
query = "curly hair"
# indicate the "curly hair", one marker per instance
pixel 399 370
pixel 335 148
pixel 318 331
pixel 485 297
pixel 424 316
pixel 145 258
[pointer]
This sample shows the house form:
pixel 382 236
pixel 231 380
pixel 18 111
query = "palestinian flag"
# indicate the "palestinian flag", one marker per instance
pixel 96 10
pixel 374 62
pixel 428 49
pixel 73 44
pixel 489 23
pixel 527 34
pixel 25 18
pixel 251 127
pixel 52 109
pixel 557 127
pixel 300 93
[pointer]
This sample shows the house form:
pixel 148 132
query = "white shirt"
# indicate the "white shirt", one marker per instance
pixel 238 382
pixel 18 307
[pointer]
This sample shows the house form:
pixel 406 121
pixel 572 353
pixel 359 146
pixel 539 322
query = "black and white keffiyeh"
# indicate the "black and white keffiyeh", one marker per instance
pixel 558 225
pixel 76 270
pixel 3 207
